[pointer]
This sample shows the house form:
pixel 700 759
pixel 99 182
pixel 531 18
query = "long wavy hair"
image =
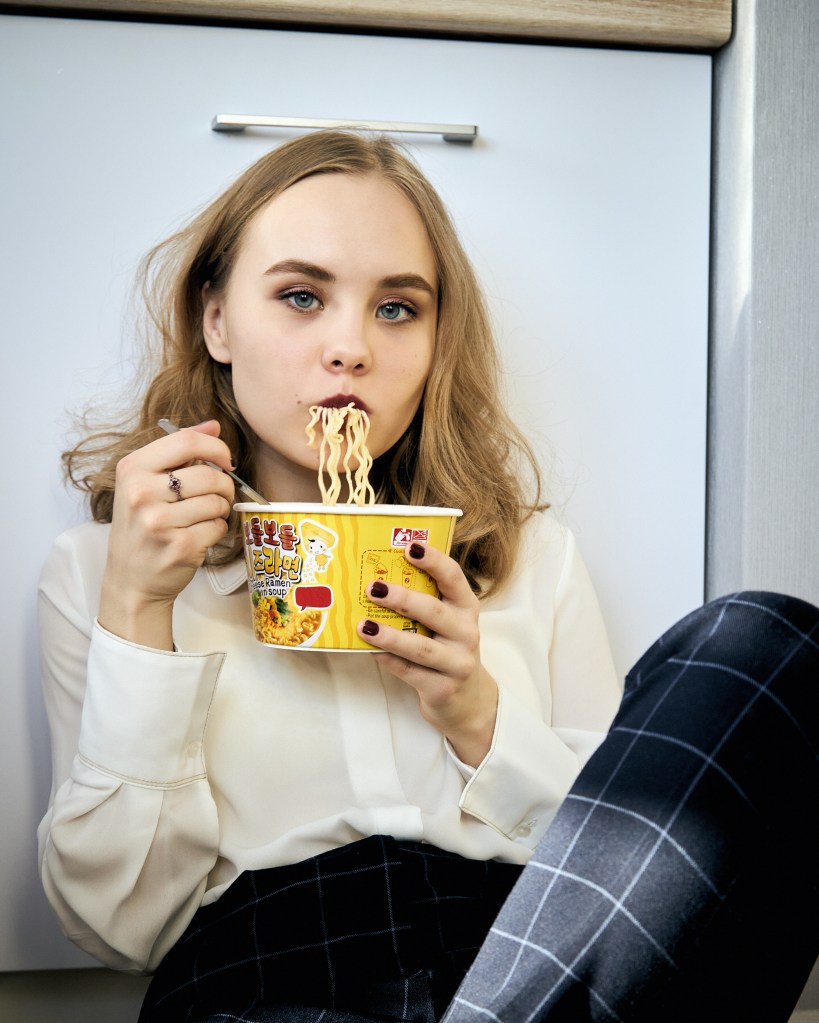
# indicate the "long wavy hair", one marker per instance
pixel 461 450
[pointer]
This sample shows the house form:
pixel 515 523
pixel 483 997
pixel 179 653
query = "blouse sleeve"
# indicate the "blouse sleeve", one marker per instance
pixel 131 831
pixel 547 648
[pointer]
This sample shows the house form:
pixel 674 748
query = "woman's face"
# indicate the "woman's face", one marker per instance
pixel 332 299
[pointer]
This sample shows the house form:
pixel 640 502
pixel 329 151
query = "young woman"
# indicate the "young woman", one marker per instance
pixel 311 836
pixel 186 755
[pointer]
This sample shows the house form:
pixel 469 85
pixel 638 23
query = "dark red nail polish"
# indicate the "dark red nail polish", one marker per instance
pixel 416 551
pixel 370 628
pixel 379 589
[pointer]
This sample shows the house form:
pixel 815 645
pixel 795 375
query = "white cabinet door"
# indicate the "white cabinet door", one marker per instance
pixel 584 203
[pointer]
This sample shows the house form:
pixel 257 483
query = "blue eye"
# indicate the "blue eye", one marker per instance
pixel 396 311
pixel 301 299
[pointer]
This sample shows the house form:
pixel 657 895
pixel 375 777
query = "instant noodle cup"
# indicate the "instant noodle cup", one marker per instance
pixel 309 566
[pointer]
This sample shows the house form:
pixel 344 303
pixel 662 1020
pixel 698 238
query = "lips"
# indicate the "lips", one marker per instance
pixel 342 400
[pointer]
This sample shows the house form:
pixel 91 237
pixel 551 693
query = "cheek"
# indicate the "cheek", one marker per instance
pixel 414 371
pixel 409 390
pixel 420 378
pixel 404 410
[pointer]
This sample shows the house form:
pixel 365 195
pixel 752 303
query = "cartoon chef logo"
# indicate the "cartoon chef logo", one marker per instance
pixel 318 542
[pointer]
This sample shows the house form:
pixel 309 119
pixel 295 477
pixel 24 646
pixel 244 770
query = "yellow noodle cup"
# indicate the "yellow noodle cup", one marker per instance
pixel 309 566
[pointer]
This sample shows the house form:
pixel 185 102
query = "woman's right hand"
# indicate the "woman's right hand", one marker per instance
pixel 158 540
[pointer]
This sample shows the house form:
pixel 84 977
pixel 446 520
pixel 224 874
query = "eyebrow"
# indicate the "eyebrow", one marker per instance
pixel 407 281
pixel 300 266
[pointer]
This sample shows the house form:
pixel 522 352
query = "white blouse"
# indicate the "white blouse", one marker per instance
pixel 175 772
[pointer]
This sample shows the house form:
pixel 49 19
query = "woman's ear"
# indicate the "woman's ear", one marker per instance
pixel 213 325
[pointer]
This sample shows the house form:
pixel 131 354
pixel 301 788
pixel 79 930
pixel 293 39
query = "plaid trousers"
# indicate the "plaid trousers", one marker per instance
pixel 678 881
pixel 381 929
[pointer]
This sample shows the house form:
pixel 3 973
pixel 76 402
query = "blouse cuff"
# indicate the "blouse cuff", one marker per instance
pixel 145 711
pixel 527 773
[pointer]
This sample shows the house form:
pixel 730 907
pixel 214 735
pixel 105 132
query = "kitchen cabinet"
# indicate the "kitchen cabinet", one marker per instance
pixel 584 202
pixel 672 24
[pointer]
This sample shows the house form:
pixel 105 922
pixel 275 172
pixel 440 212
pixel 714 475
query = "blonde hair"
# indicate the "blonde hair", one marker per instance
pixel 461 450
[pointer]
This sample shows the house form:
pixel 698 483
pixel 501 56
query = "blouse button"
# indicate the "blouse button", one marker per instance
pixel 193 749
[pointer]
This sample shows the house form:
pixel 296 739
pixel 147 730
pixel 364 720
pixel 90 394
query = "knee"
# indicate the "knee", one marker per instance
pixel 753 632
pixel 737 674
pixel 782 605
pixel 763 627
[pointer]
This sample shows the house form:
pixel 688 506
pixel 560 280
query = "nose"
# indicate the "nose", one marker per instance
pixel 347 349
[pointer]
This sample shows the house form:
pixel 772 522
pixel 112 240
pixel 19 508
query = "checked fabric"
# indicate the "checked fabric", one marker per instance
pixel 379 929
pixel 678 881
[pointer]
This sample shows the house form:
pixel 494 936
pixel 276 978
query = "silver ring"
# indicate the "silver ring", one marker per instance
pixel 175 484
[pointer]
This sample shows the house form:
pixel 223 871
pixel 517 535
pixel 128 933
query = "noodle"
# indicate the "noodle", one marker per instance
pixel 355 424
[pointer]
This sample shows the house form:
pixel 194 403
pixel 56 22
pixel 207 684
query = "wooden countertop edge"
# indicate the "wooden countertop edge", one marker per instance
pixel 664 24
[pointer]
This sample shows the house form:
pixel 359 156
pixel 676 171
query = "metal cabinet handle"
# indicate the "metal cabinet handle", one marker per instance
pixel 450 132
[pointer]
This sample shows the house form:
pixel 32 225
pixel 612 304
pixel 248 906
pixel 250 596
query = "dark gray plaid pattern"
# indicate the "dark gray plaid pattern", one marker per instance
pixel 417 1004
pixel 678 881
pixel 379 929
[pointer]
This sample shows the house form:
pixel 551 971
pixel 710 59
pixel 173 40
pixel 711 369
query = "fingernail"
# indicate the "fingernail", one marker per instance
pixel 379 589
pixel 370 628
pixel 416 551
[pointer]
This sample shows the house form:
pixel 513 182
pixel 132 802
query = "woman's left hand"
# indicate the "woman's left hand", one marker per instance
pixel 456 693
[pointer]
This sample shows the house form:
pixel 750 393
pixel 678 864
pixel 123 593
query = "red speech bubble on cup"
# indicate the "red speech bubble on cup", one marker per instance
pixel 313 596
